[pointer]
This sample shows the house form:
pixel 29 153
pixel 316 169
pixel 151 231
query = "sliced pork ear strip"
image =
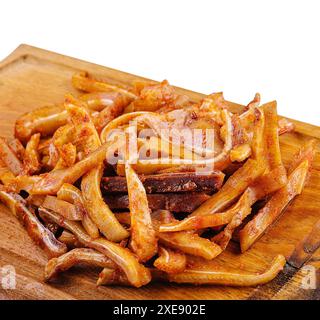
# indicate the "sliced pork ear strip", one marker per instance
pixel 37 232
pixel 75 257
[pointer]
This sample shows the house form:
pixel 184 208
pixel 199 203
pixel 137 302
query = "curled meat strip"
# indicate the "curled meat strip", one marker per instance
pixel 221 277
pixel 136 273
pixel 97 209
pixel 278 202
pixel 143 236
pixel 75 257
pixel 38 233
pixel 72 194
pixel 84 82
pixel 31 161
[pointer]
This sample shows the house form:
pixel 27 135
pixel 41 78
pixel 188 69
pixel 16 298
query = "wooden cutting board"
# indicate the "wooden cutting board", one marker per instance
pixel 32 77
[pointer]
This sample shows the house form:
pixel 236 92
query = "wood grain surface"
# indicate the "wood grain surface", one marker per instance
pixel 32 77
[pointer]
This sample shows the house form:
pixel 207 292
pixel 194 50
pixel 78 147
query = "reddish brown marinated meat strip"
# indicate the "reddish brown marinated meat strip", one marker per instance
pixel 173 182
pixel 174 202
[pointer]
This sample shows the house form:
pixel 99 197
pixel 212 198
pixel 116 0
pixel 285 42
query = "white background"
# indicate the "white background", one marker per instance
pixel 239 47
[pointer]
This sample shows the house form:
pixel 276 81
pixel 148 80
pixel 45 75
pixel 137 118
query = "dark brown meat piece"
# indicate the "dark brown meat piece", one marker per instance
pixel 174 202
pixel 173 182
